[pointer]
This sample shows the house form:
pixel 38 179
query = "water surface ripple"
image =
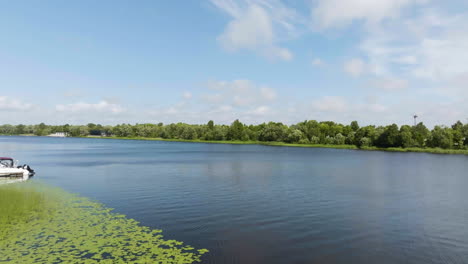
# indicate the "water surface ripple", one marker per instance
pixel 263 204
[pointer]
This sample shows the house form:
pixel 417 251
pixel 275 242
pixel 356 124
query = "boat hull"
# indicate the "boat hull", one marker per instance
pixel 14 173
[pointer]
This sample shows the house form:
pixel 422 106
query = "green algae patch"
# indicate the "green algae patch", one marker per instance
pixel 42 224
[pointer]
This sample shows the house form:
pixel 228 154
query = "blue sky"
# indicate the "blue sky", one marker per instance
pixel 110 62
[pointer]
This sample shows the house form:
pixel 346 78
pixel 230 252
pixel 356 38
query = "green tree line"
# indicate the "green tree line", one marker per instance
pixel 306 132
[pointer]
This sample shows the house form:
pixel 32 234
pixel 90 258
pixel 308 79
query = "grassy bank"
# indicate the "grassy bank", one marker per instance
pixel 423 150
pixel 43 224
pixel 282 144
pixel 234 142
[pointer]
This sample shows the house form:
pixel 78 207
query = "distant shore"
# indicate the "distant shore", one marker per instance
pixel 283 144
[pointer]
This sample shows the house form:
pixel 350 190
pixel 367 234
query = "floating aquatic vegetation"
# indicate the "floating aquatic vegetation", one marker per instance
pixel 41 224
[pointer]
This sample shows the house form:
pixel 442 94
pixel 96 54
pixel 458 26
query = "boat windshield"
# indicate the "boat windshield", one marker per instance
pixel 8 163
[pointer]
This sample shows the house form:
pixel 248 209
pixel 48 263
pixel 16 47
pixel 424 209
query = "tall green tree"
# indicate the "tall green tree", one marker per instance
pixel 236 130
pixel 389 138
pixel 293 135
pixel 210 124
pixel 354 126
pixel 273 132
pixel 406 136
pixel 420 134
pixel 20 129
pixel 441 137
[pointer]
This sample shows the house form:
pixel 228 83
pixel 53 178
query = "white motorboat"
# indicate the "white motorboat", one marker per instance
pixel 10 169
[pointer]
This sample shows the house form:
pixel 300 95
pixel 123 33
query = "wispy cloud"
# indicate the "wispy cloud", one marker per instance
pixel 13 104
pixel 317 62
pixel 390 84
pixel 259 26
pixel 430 46
pixel 339 13
pixel 330 104
pixel 102 107
pixel 355 67
pixel 240 93
pixel 187 95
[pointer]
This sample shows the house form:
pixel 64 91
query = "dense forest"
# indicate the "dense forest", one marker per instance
pixel 307 132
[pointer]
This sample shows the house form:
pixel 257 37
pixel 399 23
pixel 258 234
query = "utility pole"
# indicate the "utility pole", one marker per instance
pixel 415 117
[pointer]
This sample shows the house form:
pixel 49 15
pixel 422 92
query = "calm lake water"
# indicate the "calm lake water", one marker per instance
pixel 262 204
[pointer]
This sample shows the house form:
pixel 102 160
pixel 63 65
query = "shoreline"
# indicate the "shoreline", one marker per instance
pixel 283 144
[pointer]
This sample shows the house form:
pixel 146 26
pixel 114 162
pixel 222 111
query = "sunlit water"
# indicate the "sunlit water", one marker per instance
pixel 261 204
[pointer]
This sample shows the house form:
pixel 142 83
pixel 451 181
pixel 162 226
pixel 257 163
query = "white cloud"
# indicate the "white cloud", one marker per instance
pixel 102 107
pixel 454 88
pixel 274 52
pixel 216 98
pixel 216 85
pixel 187 95
pixel 354 67
pixel 250 30
pixel 224 102
pixel 431 46
pixel 335 108
pixel 330 104
pixel 333 13
pixel 344 110
pixel 240 86
pixel 268 93
pixel 224 108
pixel 317 62
pixel 390 84
pixel 12 104
pixel 239 93
pixel 260 111
pixel 242 100
pixel 258 25
pixel 406 59
pixel 376 108
pixel 396 45
pixel 444 57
